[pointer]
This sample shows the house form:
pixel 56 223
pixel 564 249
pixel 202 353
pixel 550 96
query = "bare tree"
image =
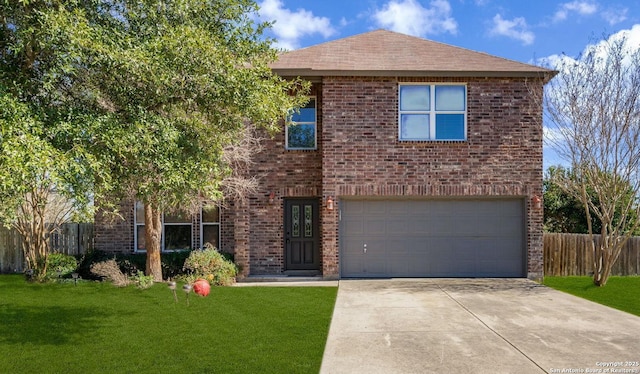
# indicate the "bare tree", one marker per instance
pixel 238 157
pixel 593 112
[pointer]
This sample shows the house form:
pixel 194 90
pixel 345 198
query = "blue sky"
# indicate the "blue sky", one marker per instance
pixel 522 30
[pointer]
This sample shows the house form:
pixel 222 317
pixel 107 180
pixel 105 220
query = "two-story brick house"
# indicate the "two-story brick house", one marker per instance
pixel 412 159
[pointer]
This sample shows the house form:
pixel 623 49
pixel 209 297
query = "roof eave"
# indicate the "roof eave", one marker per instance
pixel 546 75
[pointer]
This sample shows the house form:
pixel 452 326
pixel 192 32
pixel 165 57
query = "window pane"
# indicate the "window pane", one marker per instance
pixel 295 218
pixel 414 126
pixel 450 126
pixel 177 218
pixel 210 213
pixel 414 98
pixel 210 234
pixel 139 212
pixel 307 114
pixel 177 237
pixel 140 234
pixel 450 98
pixel 308 221
pixel 301 136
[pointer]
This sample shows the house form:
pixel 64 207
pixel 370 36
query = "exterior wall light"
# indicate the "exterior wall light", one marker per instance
pixel 536 201
pixel 272 197
pixel 329 203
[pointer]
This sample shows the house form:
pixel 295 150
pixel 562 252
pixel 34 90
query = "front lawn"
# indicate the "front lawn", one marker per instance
pixel 620 292
pixel 98 328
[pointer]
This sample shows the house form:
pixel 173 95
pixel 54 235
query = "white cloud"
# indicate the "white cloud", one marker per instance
pixel 290 26
pixel 561 62
pixel 583 8
pixel 515 29
pixel 553 61
pixel 410 17
pixel 631 39
pixel 613 16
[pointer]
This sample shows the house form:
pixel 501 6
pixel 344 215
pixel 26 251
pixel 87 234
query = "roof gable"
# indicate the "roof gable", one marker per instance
pixel 387 53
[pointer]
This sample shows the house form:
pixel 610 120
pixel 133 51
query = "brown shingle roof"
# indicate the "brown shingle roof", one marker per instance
pixel 387 53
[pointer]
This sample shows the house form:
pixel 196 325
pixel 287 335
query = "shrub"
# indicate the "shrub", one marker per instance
pixel 211 265
pixel 131 263
pixel 60 265
pixel 173 263
pixel 89 259
pixel 110 270
pixel 142 281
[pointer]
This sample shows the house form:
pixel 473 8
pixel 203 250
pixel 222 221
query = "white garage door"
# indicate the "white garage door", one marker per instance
pixel 432 238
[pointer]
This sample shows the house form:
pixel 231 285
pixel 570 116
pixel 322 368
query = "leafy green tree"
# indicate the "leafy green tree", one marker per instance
pixel 43 174
pixel 127 99
pixel 562 211
pixel 177 82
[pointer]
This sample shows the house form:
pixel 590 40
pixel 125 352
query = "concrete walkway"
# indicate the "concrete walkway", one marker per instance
pixel 475 326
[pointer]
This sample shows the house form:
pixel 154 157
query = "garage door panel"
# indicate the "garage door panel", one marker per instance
pixel 354 227
pixel 374 225
pixel 485 227
pixel 444 225
pixel 352 264
pixel 356 209
pixel 397 227
pixel 432 238
pixel 510 226
pixel 374 207
pixel 419 225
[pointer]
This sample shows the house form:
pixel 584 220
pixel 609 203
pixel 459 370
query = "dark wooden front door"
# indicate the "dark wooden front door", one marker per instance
pixel 301 236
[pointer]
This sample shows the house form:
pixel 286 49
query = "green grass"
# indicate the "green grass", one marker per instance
pixel 622 293
pixel 95 327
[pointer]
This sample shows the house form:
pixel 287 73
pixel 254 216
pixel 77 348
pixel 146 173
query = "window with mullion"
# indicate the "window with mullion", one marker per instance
pixel 432 112
pixel 176 230
pixel 301 129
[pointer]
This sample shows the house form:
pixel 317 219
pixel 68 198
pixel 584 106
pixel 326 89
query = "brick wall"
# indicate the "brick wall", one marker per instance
pixel 359 154
pixel 363 156
pixel 113 234
pixel 285 174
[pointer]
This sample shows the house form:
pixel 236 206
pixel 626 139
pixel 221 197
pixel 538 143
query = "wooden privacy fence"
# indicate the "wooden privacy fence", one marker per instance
pixel 71 239
pixel 564 254
pixel 571 254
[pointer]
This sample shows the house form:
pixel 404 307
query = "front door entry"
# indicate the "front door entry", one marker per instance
pixel 301 236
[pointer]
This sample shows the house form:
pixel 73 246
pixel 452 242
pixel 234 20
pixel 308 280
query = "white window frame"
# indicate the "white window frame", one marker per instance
pixel 315 131
pixel 162 241
pixel 203 224
pixel 135 227
pixel 432 111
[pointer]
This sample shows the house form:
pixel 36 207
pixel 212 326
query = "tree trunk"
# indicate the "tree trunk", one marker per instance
pixel 35 231
pixel 152 236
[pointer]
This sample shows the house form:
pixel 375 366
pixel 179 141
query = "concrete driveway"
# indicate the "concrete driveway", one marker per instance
pixel 475 326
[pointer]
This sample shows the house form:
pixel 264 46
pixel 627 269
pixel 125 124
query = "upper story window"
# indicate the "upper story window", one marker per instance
pixel 302 133
pixel 432 112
